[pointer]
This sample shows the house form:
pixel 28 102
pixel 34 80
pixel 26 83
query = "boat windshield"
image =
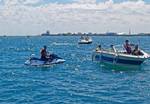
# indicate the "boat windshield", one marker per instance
pixel 114 48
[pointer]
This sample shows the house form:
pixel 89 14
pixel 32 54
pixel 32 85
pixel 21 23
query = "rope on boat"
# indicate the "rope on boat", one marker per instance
pixel 93 56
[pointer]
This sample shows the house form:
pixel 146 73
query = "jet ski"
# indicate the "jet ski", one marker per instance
pixel 54 59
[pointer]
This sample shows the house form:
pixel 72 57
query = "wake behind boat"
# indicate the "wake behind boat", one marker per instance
pixel 119 58
pixel 34 61
pixel 85 40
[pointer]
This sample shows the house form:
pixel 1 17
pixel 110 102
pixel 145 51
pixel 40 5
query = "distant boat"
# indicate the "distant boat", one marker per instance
pixel 46 34
pixel 122 33
pixel 85 40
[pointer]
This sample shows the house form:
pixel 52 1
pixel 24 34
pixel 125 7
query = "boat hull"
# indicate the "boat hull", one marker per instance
pixel 118 66
pixel 85 42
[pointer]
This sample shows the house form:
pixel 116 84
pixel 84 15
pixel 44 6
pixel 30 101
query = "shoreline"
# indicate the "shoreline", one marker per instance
pixel 70 35
pixel 96 35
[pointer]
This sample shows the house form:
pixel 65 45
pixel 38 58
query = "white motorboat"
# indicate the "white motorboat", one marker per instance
pixel 119 58
pixel 85 40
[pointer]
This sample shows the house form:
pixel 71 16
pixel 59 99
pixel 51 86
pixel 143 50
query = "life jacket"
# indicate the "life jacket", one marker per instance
pixel 43 54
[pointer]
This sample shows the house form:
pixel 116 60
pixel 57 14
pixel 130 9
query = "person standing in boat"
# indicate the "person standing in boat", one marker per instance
pixel 44 53
pixel 128 46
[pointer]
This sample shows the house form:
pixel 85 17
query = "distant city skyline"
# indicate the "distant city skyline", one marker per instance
pixel 33 17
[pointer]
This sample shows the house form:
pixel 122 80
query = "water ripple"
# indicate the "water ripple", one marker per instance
pixel 78 80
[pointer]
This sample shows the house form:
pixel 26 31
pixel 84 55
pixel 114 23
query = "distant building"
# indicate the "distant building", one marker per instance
pixel 111 33
pixel 46 34
pixel 147 34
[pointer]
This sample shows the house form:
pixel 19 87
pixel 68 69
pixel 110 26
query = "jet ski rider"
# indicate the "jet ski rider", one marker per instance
pixel 45 56
pixel 44 53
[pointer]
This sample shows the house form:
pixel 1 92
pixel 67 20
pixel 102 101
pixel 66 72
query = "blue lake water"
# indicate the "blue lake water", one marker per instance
pixel 77 81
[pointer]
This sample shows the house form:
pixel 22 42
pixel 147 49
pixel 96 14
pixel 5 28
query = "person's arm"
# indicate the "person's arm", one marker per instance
pixel 41 51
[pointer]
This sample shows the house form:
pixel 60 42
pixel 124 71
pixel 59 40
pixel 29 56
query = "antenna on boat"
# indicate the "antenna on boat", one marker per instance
pixel 139 42
pixel 129 31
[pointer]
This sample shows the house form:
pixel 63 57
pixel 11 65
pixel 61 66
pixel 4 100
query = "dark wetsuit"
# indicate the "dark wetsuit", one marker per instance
pixel 44 55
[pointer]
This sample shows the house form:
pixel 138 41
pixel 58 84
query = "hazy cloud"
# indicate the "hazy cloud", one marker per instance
pixel 23 17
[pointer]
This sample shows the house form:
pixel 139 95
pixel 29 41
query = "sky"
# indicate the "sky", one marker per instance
pixel 33 17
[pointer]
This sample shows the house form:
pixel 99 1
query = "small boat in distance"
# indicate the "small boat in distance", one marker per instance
pixel 119 59
pixel 85 40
